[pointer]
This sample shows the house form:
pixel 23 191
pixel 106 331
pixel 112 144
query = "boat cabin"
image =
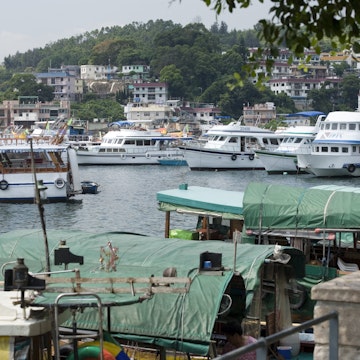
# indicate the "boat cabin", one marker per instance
pixel 217 214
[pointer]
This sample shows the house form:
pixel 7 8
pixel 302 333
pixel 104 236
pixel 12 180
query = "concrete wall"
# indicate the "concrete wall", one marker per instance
pixel 343 295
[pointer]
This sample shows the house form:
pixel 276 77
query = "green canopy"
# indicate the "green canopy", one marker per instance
pixel 182 321
pixel 268 206
pixel 201 200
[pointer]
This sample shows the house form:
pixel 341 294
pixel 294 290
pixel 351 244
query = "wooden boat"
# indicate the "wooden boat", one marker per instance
pixel 53 166
pixel 148 276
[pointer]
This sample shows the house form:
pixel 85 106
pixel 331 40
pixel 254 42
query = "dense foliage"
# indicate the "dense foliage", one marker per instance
pixel 197 63
pixel 301 24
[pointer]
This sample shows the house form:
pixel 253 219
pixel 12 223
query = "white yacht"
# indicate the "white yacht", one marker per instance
pixel 335 150
pixel 230 147
pixel 297 140
pixel 132 146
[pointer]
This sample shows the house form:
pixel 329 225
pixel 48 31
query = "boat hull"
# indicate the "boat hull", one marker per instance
pixel 207 159
pixel 21 187
pixel 279 163
pixel 330 166
pixel 94 157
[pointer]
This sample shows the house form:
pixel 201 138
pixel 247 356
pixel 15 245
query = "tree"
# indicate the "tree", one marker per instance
pixel 301 24
pixel 171 75
pixel 26 85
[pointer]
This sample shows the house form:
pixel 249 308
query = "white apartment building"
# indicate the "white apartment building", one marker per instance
pixel 155 93
pixel 148 112
pixel 65 85
pixel 97 72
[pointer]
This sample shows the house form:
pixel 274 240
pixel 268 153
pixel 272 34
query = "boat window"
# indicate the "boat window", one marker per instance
pixel 129 142
pixel 327 126
pixel 147 142
pixel 233 140
pixel 344 150
pixel 334 149
pixel 222 138
pixel 342 126
pixel 297 140
pixel 354 149
pixel 322 126
pixel 265 141
pixel 274 141
pixel 334 126
pixel 324 149
pixel 352 126
pixel 139 143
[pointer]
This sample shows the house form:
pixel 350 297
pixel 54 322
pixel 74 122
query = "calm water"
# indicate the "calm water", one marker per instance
pixel 127 201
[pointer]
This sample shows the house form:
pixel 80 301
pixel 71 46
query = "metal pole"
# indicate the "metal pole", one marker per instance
pixel 333 338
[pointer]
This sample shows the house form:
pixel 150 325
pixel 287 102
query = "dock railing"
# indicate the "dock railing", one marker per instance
pixel 261 346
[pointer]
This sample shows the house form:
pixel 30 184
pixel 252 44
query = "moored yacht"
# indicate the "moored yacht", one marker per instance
pixel 132 146
pixel 297 140
pixel 336 148
pixel 230 147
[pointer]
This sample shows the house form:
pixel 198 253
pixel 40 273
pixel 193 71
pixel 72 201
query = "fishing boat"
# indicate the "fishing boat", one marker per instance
pixel 139 276
pixel 230 147
pixel 297 140
pixel 132 146
pixel 24 164
pixel 335 150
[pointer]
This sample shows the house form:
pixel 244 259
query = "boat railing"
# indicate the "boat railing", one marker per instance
pixel 262 345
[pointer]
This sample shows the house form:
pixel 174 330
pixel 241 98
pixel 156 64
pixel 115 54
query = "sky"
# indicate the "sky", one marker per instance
pixel 32 24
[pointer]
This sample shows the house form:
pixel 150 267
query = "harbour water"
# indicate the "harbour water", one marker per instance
pixel 127 198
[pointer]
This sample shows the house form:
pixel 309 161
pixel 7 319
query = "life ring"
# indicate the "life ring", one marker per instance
pixel 147 155
pixel 251 157
pixel 123 156
pixel 297 296
pixel 233 157
pixel 351 168
pixel 59 183
pixel 91 352
pixel 4 184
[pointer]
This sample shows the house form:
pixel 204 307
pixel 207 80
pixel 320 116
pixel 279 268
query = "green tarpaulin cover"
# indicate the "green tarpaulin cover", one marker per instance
pixel 202 200
pixel 268 206
pixel 179 321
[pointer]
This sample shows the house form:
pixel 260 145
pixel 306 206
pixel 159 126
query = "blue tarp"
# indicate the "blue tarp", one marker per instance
pixel 306 114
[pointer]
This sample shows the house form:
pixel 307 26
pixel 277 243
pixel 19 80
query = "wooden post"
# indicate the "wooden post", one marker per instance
pixel 167 224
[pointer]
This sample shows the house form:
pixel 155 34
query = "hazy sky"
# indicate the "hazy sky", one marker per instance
pixel 26 25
